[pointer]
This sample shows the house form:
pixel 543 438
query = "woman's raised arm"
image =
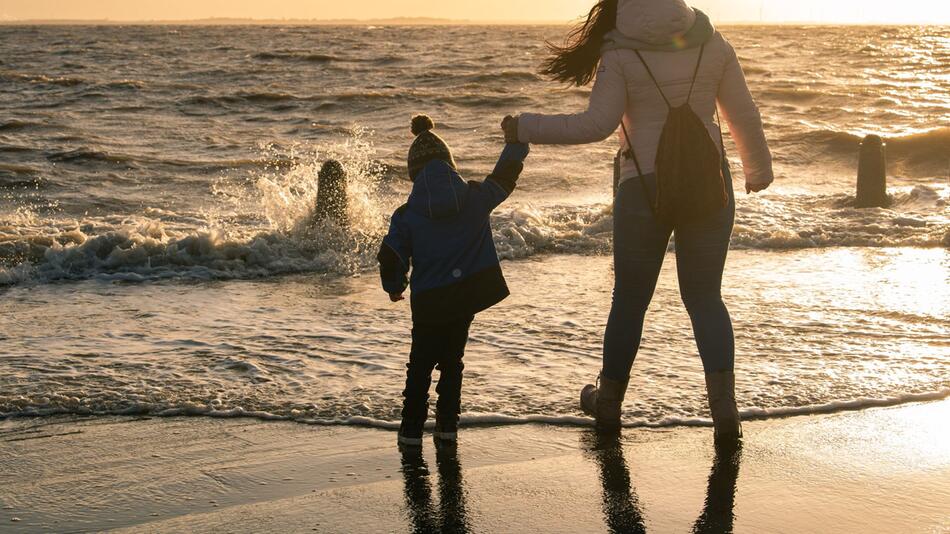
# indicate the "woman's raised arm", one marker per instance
pixel 608 100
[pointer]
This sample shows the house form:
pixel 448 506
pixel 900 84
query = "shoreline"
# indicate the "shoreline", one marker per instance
pixel 490 420
pixel 874 470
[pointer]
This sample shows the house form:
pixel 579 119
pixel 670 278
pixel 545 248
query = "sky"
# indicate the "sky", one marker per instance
pixel 827 11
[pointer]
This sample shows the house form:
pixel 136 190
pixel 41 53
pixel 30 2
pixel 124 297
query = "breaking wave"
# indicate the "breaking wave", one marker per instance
pixel 41 79
pixel 304 57
pixel 926 152
pixel 15 125
pixel 261 230
pixel 87 155
pixel 148 249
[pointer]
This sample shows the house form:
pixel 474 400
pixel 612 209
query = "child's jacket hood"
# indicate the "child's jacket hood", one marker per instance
pixel 438 191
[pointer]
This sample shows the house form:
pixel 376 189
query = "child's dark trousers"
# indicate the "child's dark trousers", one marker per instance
pixel 441 345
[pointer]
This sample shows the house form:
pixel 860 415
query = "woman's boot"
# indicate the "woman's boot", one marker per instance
pixel 721 390
pixel 603 402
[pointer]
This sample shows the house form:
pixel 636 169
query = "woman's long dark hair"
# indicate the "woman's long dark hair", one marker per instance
pixel 576 62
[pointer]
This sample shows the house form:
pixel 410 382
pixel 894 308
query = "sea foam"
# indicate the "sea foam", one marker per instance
pixel 146 249
pixel 73 406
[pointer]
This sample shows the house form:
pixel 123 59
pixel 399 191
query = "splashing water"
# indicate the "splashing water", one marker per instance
pixel 259 226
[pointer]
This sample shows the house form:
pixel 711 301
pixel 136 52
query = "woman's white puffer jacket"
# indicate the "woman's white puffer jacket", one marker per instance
pixel 624 91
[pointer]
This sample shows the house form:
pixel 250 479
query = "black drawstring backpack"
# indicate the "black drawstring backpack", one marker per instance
pixel 689 177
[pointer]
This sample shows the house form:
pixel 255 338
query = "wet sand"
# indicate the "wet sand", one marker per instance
pixel 878 470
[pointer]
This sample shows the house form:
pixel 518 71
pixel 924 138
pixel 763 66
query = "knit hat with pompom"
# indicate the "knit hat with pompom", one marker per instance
pixel 427 146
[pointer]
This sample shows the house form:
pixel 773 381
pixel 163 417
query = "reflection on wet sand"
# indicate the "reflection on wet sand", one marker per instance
pixel 620 504
pixel 450 516
pixel 718 513
pixel 622 511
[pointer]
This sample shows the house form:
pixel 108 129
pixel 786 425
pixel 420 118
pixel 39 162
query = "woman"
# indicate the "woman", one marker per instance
pixel 643 54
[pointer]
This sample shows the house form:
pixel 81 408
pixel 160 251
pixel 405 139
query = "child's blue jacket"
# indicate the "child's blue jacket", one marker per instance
pixel 443 236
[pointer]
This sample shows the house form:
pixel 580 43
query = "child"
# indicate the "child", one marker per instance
pixel 443 233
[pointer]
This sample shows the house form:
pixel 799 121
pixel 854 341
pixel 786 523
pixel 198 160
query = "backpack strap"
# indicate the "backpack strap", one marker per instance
pixel 630 153
pixel 657 84
pixel 695 73
pixel 652 77
pixel 722 142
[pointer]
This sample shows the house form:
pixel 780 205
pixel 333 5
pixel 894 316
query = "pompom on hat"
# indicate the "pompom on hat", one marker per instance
pixel 421 123
pixel 427 146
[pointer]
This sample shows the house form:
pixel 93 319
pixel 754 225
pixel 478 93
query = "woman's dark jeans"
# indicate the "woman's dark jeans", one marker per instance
pixel 640 244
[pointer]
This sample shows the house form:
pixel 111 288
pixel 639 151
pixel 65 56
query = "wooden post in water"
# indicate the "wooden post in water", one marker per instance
pixel 331 193
pixel 872 174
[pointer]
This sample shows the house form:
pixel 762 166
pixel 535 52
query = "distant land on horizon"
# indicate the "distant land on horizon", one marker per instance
pixel 224 21
pixel 398 21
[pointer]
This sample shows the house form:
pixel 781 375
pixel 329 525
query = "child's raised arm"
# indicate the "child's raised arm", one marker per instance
pixel 502 181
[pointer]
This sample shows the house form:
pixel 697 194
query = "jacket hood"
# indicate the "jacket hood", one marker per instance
pixel 438 191
pixel 663 25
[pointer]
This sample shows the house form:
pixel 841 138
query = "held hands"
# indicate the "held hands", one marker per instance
pixel 396 297
pixel 510 126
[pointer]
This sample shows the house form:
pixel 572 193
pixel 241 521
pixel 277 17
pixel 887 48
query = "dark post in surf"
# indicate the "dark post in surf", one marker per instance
pixel 872 174
pixel 331 193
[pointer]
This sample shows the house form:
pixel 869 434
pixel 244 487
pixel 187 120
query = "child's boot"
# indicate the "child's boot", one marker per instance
pixel 415 404
pixel 413 421
pixel 446 426
pixel 449 406
pixel 603 402
pixel 410 431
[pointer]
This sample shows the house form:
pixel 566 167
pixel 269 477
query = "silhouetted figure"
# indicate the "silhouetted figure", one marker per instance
pixel 331 194
pixel 621 506
pixel 718 515
pixel 451 516
pixel 440 246
pixel 872 174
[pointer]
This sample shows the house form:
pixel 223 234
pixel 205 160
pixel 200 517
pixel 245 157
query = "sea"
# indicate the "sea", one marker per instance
pixel 159 254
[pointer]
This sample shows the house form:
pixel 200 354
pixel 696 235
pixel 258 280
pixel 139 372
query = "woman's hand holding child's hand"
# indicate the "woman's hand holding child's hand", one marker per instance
pixel 396 297
pixel 510 126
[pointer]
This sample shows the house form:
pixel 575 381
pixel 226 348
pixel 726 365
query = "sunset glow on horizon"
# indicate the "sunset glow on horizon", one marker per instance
pixel 773 11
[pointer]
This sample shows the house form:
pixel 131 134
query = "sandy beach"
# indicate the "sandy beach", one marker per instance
pixel 878 470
